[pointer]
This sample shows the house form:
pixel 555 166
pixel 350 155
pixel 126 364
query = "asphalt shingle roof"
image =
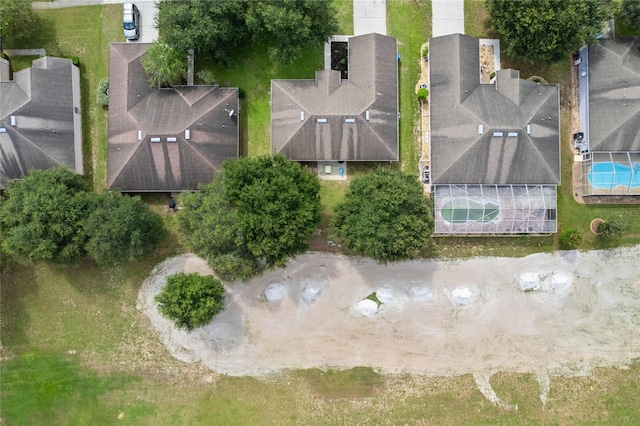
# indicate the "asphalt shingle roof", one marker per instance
pixel 614 95
pixel 358 117
pixel 502 133
pixel 148 147
pixel 45 101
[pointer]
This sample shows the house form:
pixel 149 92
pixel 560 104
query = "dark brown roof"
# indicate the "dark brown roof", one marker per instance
pixel 148 146
pixel 333 119
pixel 45 103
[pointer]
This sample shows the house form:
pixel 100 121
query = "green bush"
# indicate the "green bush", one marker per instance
pixel 571 238
pixel 74 59
pixel 103 92
pixel 492 75
pixel 423 93
pixel 206 77
pixel 424 51
pixel 613 228
pixel 191 300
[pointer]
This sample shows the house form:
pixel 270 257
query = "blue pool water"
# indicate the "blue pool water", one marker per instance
pixel 610 175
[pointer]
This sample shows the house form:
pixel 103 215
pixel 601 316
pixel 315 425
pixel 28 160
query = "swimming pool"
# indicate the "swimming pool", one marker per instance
pixel 609 175
pixel 461 210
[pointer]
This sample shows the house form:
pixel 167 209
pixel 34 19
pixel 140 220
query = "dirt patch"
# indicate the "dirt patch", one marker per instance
pixel 594 225
pixel 487 63
pixel 592 322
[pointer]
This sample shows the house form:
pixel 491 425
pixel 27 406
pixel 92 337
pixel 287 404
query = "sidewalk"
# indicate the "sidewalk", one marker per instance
pixel 369 16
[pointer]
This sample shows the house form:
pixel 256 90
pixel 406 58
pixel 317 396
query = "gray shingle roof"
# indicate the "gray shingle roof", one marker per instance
pixel 139 114
pixel 45 101
pixel 502 133
pixel 614 95
pixel 358 117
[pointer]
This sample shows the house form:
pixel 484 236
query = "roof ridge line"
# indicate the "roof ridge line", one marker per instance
pixel 542 103
pixel 36 146
pixel 376 133
pixel 199 154
pixel 124 163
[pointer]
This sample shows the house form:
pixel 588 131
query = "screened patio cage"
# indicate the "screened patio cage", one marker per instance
pixel 495 209
pixel 610 173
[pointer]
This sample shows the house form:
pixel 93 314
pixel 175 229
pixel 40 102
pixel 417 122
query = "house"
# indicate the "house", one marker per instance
pixel 611 122
pixel 494 147
pixel 341 118
pixel 167 139
pixel 40 119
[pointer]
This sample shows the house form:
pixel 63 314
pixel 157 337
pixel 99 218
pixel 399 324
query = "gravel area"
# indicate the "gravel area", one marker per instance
pixel 560 313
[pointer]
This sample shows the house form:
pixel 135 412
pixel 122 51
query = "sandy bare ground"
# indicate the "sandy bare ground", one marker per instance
pixel 593 322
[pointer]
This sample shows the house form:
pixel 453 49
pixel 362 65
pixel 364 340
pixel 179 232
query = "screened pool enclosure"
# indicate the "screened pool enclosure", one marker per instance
pixel 610 173
pixel 495 209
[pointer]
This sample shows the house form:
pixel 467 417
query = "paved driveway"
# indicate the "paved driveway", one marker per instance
pixel 369 16
pixel 447 17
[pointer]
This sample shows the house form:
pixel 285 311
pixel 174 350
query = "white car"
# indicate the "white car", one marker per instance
pixel 131 21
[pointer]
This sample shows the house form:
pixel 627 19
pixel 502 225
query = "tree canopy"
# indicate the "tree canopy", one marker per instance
pixel 547 30
pixel 41 216
pixel 630 12
pixel 216 28
pixel 191 300
pixel 18 21
pixel 164 65
pixel 256 212
pixel 121 227
pixel 384 215
pixel 50 215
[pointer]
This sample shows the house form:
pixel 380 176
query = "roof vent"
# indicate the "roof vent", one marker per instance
pixel 155 140
pixel 349 120
pixel 512 134
pixel 172 139
pixel 528 129
pixel 322 120
pixel 187 134
pixel 366 115
pixel 301 115
pixel 480 129
pixel 139 135
pixel 497 134
pixel 13 120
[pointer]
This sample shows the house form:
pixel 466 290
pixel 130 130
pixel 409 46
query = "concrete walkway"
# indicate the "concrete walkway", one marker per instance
pixel 447 17
pixel 369 16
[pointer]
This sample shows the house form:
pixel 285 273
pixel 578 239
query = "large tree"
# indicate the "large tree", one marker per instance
pixel 41 216
pixel 121 227
pixel 218 27
pixel 547 30
pixel 164 65
pixel 384 215
pixel 630 12
pixel 256 212
pixel 18 22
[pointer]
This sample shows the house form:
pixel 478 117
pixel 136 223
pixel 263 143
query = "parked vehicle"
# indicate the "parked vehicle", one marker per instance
pixel 131 21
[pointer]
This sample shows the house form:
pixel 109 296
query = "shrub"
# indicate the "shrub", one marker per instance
pixel 206 77
pixel 424 51
pixel 492 75
pixel 74 59
pixel 613 228
pixel 191 300
pixel 571 238
pixel 423 93
pixel 103 92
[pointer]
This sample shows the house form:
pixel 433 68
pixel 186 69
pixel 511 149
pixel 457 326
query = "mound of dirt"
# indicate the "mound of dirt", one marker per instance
pixel 462 296
pixel 275 291
pixel 420 293
pixel 385 295
pixel 311 290
pixel 366 307
pixel 529 281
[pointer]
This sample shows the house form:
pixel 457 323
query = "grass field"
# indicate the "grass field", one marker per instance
pixel 75 350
